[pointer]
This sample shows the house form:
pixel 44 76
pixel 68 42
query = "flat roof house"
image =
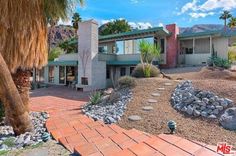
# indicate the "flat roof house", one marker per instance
pixel 103 58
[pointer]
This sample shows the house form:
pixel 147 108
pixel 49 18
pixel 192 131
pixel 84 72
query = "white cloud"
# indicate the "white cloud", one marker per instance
pixel 197 10
pixel 200 14
pixel 67 22
pixel 140 25
pixel 160 25
pixel 134 1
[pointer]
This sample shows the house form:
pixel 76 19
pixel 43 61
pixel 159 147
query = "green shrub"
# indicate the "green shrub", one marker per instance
pixel 95 98
pixel 232 53
pixel 220 62
pixel 147 72
pixel 126 82
pixel 54 53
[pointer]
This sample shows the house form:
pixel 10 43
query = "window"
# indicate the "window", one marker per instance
pixel 162 46
pixel 51 74
pixel 108 76
pixel 102 49
pixel 62 74
pixel 120 47
pixel 129 47
pixel 122 71
pixel 131 70
pixel 189 50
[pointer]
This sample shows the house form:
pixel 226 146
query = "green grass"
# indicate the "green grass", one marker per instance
pixel 10 142
pixel 3 152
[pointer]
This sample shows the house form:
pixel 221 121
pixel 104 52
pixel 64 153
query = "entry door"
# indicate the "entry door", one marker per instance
pixel 62 75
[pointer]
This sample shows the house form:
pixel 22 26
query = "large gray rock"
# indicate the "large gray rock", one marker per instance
pixel 134 118
pixel 190 110
pixel 228 119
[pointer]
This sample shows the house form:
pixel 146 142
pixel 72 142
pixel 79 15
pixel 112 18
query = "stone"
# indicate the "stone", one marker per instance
pixel 205 100
pixel 161 89
pixel 229 102
pixel 147 108
pixel 134 118
pixel 212 116
pixel 204 114
pixel 220 108
pixel 189 110
pixel 152 101
pixel 228 119
pixel 108 91
pixel 155 94
pixel 184 109
pixel 168 84
pixel 196 113
pixel 215 111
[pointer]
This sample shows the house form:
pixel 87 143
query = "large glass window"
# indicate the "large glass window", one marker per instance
pixel 120 47
pixel 129 47
pixel 162 46
pixel 102 49
pixel 51 74
pixel 62 76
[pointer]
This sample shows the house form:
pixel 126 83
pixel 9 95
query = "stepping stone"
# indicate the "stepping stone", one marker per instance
pixel 147 108
pixel 168 84
pixel 152 101
pixel 161 89
pixel 134 118
pixel 156 94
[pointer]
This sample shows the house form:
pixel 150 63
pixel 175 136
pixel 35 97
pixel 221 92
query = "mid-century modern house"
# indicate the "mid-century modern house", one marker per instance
pixel 100 57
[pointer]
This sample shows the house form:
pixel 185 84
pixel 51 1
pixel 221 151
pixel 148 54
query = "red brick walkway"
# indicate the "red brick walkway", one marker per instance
pixel 86 137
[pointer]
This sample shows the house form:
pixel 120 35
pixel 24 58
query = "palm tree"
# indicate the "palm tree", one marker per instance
pixel 23 46
pixel 75 20
pixel 232 22
pixel 224 16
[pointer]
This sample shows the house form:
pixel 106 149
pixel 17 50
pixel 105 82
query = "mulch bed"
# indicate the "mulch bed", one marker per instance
pixel 155 121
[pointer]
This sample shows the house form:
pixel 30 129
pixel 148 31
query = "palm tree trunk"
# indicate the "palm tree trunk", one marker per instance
pixel 22 81
pixel 14 107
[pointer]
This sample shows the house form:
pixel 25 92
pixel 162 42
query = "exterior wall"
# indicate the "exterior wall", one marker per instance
pixel 221 46
pixel 128 57
pixel 196 59
pixel 172 46
pixel 202 45
pixel 106 57
pixel 95 69
pixel 68 57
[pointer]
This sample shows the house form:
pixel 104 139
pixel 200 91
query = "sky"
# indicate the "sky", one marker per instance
pixel 151 13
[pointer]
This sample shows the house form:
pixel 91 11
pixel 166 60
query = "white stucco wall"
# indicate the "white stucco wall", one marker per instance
pixel 221 46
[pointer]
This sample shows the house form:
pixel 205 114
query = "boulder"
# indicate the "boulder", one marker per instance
pixel 190 110
pixel 228 119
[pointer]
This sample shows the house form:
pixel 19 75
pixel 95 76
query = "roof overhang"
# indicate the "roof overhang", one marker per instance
pixel 62 63
pixel 136 34
pixel 122 63
pixel 199 34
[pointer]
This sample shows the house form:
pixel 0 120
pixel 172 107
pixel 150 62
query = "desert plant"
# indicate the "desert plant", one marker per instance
pixel 95 98
pixel 54 53
pixel 232 54
pixel 149 52
pixel 220 62
pixel 139 71
pixel 126 82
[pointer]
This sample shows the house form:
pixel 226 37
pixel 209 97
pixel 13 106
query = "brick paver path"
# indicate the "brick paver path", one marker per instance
pixel 85 137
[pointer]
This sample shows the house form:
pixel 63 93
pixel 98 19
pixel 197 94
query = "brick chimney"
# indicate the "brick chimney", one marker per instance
pixel 172 46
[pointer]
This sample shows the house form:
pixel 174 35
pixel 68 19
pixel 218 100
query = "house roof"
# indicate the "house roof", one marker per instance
pixel 135 32
pixel 226 33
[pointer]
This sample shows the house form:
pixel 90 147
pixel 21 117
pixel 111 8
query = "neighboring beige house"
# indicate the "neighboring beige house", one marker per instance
pixel 103 58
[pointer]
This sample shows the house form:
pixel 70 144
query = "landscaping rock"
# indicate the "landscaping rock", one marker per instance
pixel 195 102
pixel 161 89
pixel 156 94
pixel 111 107
pixel 26 139
pixel 168 84
pixel 147 108
pixel 134 118
pixel 228 119
pixel 152 101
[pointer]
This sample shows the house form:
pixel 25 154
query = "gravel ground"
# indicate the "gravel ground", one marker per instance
pixel 155 121
pixel 50 148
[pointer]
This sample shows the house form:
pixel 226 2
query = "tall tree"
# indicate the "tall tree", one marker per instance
pixel 23 46
pixel 224 16
pixel 115 27
pixel 232 22
pixel 75 20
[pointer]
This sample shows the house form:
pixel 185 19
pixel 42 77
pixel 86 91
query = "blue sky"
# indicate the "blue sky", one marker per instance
pixel 157 12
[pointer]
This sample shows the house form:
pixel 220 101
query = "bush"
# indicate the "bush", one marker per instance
pixel 126 82
pixel 139 73
pixel 54 53
pixel 95 98
pixel 220 62
pixel 232 53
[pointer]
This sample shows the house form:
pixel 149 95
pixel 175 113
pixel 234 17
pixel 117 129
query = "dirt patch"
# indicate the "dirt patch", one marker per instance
pixel 155 121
